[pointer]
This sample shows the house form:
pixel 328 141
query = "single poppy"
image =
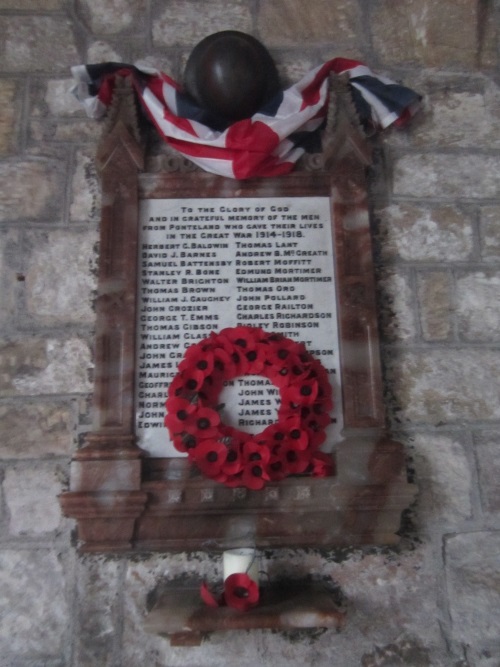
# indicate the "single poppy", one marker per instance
pixel 322 464
pixel 254 452
pixel 277 468
pixel 240 591
pixel 254 475
pixel 210 457
pixel 233 462
pixel 204 423
pixel 301 392
pixel 279 371
pixel 198 357
pixel 295 460
pixel 274 434
pixel 179 411
pixel 243 337
pixel 296 434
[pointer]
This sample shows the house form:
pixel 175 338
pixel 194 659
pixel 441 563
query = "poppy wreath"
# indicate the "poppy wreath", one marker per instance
pixel 290 446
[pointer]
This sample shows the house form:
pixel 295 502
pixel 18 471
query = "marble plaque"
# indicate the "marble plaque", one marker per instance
pixel 207 264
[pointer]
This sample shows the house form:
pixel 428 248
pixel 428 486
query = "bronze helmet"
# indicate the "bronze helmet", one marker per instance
pixel 231 74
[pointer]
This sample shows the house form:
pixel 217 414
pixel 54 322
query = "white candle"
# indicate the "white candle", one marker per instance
pixel 241 561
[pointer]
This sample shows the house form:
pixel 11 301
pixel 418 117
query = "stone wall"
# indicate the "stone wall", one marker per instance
pixel 433 601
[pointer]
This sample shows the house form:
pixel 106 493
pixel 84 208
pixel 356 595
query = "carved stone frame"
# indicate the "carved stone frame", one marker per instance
pixel 123 501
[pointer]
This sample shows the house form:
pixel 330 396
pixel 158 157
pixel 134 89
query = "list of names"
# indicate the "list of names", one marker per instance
pixel 208 264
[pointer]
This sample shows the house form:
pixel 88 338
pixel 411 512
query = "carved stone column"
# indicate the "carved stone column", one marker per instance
pixel 105 493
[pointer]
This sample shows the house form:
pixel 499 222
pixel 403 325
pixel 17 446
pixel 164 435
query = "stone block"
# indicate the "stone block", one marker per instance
pixel 182 22
pixel 33 606
pixel 35 430
pixel 28 43
pixel 444 479
pixel 490 233
pixel 31 499
pixel 435 386
pixel 482 657
pixel 426 233
pixel 98 595
pixel 10 274
pixel 433 34
pixel 381 593
pixel 108 17
pixel 60 277
pixel 56 114
pixel 36 5
pixel 86 189
pixel 478 306
pixel 459 118
pixel 470 176
pixel 488 458
pixel 34 366
pixel 10 113
pixel 101 52
pixel 43 130
pixel 435 305
pixel 290 68
pixel 473 581
pixel 396 308
pixel 30 189
pixel 59 100
pixel 310 23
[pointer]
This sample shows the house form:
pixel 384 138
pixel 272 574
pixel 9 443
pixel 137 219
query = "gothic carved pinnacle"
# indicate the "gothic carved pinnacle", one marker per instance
pixel 123 108
pixel 343 132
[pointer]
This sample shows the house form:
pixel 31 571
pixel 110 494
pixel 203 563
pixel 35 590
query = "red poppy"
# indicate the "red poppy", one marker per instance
pixel 277 468
pixel 244 337
pixel 187 383
pixel 233 463
pixel 314 417
pixel 254 452
pixel 316 439
pixel 298 436
pixel 208 597
pixel 176 387
pixel 279 371
pixel 245 346
pixel 254 475
pixel 240 592
pixel 210 457
pixel 203 423
pixel 234 361
pixel 301 392
pixel 179 411
pixel 222 361
pixel 295 460
pixel 198 357
pixel 322 464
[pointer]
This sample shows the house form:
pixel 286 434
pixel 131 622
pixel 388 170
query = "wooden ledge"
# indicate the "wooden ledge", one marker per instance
pixel 180 614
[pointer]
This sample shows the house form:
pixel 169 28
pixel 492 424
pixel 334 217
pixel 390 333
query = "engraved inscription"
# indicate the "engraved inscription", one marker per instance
pixel 207 264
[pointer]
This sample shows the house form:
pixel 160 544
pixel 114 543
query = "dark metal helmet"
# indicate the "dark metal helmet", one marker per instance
pixel 231 74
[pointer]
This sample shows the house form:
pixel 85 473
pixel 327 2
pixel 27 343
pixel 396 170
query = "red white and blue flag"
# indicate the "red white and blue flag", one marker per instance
pixel 273 139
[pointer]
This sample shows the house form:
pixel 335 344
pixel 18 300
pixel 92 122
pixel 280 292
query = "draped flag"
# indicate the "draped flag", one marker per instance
pixel 273 139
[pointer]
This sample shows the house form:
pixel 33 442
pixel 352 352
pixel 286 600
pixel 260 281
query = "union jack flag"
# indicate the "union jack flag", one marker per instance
pixel 273 139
